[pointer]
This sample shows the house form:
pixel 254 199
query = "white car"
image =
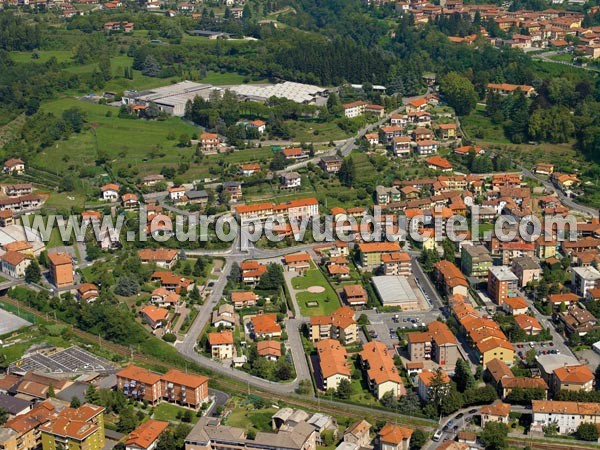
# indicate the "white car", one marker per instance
pixel 438 435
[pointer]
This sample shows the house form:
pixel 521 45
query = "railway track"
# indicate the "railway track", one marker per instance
pixel 536 445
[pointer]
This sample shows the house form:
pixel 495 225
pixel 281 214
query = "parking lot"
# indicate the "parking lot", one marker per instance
pixel 541 348
pixel 383 326
pixel 70 360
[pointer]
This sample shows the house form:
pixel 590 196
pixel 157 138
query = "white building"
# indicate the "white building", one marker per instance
pixel 567 415
pixel 584 279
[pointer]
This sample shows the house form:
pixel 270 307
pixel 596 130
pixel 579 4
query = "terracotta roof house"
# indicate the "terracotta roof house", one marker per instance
pixel 145 436
pixel 265 325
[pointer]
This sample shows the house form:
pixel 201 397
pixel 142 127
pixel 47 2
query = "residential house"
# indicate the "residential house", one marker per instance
pixel 424 382
pixel 61 269
pixel 438 343
pixel 506 89
pixel 17 190
pixel 394 437
pixel 252 271
pixel 295 153
pixel 233 191
pixel 14 166
pixel 247 170
pixel 185 389
pixel 422 134
pixel 438 163
pixel 197 197
pixel 333 366
pixel 568 299
pixel 355 295
pixel 391 132
pixel 447 131
pixel 154 316
pixel 163 258
pixel 573 378
pixel 331 163
pixel 372 138
pixel 224 317
pixel 426 147
pixel 496 412
pixel 566 415
pixel 221 345
pixel 544 168
pixel 269 349
pixel 354 109
pixel 146 435
pixel 243 299
pixel 87 292
pixel 265 326
pixel 153 180
pixel 209 143
pixel 401 145
pixel 450 279
pixel 290 180
pixel 515 306
pixel 14 264
pixel 578 320
pixel 297 262
pixel 358 434
pixel 110 192
pixel 380 370
pixel 417 105
pixel 165 298
pixel 375 110
pixel 130 201
pixel 530 325
pixel 177 194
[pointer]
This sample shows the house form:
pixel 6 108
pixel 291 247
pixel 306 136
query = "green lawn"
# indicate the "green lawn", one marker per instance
pixel 169 412
pixel 259 420
pixel 328 301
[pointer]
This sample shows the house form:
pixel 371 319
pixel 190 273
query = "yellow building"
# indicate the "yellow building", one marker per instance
pixel 75 429
pixel 21 432
pixel 495 348
pixel 371 252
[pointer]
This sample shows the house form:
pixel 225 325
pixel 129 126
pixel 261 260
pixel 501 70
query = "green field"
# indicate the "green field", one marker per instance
pixel 314 131
pixel 478 124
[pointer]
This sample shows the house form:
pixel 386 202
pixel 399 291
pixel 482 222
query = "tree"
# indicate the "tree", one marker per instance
pixel 104 65
pixel 51 393
pixel 3 416
pixel 347 173
pixel 494 436
pixel 91 395
pixel 462 376
pixel 127 286
pixel 127 421
pixel 587 432
pixel 75 402
pixel 438 389
pixel 33 274
pixel 449 250
pixel 418 439
pixel 344 389
pixel 459 92
pixel 235 275
pixel 150 68
pixel 199 267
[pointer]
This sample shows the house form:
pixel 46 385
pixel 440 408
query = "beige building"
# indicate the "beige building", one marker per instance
pixel 221 345
pixel 339 325
pixel 496 412
pixel 332 363
pixel 573 378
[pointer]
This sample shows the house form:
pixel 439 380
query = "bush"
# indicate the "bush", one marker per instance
pixel 169 337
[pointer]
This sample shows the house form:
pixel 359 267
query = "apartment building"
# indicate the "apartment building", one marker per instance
pixel 184 388
pixel 583 279
pixel 450 279
pixel 475 260
pixel 332 363
pixel 75 428
pixel 501 283
pixel 437 343
pixel 566 415
pixel 573 378
pixel 61 269
pixel 394 437
pixel 397 263
pixel 380 371
pixel 526 269
pixel 371 252
pixel 354 109
pixel 339 325
pixel 140 384
pixel 298 210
